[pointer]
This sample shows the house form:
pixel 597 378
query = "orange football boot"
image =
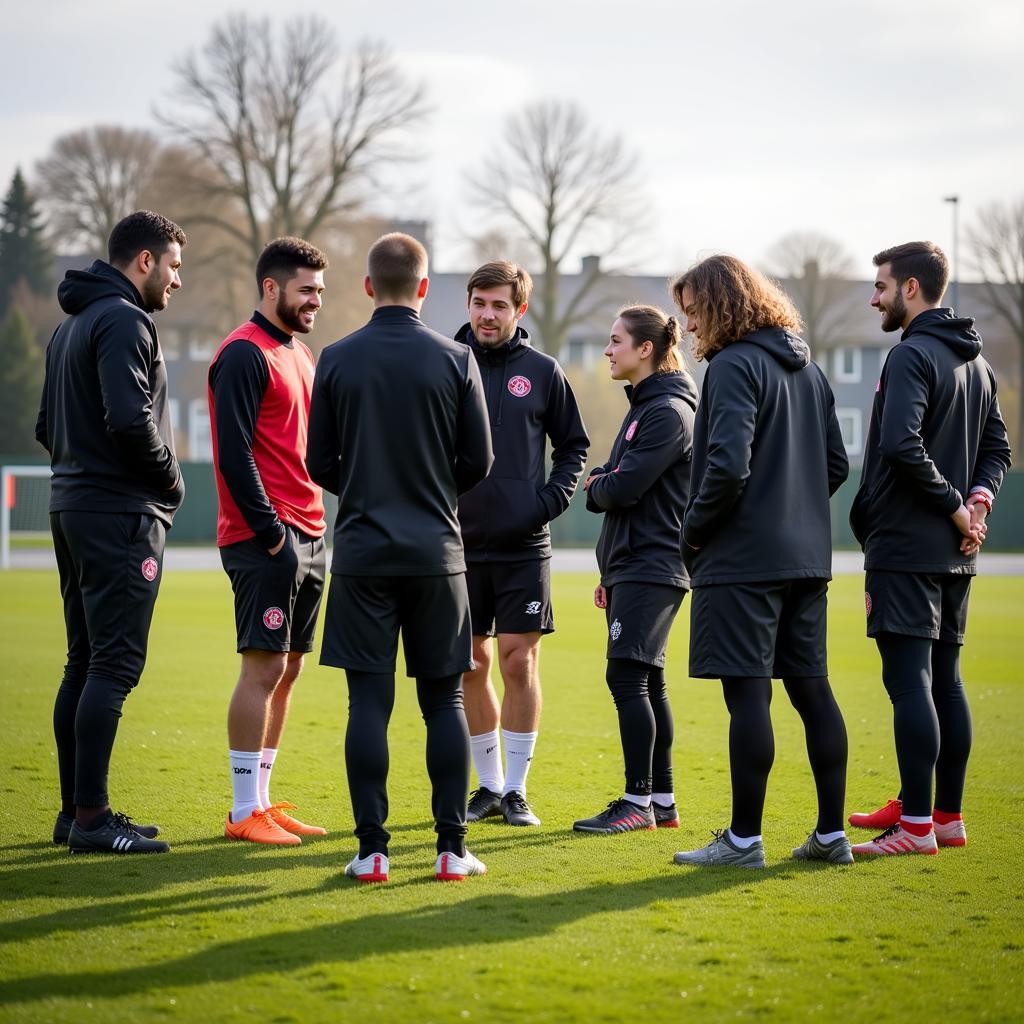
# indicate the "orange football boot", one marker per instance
pixel 290 824
pixel 259 827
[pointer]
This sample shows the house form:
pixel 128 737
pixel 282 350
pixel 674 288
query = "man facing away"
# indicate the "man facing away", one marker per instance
pixel 270 523
pixel 504 524
pixel 936 435
pixel 105 421
pixel 398 428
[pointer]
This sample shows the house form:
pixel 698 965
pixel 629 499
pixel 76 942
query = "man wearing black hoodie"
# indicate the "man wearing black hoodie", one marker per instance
pixel 116 486
pixel 767 456
pixel 504 523
pixel 936 436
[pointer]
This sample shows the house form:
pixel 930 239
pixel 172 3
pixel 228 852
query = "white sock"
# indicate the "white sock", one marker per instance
pixel 915 820
pixel 743 842
pixel 664 799
pixel 829 837
pixel 487 760
pixel 641 800
pixel 267 759
pixel 518 755
pixel 245 781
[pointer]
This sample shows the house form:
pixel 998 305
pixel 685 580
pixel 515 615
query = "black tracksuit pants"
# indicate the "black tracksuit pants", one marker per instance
pixel 110 566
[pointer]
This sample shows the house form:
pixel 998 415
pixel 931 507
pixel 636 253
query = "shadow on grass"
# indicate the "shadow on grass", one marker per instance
pixel 484 919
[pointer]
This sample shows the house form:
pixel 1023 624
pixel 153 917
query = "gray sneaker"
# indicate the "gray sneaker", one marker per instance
pixel 836 852
pixel 722 852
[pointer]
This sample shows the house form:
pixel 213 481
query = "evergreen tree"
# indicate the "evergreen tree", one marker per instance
pixel 21 382
pixel 24 253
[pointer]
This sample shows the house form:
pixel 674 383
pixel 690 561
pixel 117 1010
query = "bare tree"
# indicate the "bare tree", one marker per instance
pixel 816 268
pixel 91 179
pixel 995 242
pixel 283 147
pixel 564 188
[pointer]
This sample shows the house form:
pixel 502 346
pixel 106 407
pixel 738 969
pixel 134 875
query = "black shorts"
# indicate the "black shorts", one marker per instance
pixel 640 617
pixel 775 629
pixel 510 597
pixel 932 605
pixel 277 598
pixel 366 613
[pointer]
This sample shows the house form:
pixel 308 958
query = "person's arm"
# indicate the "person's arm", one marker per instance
pixel 837 460
pixel 994 456
pixel 238 380
pixel 323 448
pixel 474 454
pixel 125 350
pixel 660 441
pixel 732 399
pixel 569 443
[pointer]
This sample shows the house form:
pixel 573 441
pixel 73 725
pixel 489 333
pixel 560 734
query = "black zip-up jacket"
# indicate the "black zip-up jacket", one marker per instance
pixel 767 456
pixel 104 416
pixel 505 518
pixel 397 429
pixel 644 485
pixel 936 434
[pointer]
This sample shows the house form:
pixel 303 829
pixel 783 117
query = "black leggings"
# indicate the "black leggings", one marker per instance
pixel 752 747
pixel 371 698
pixel 931 720
pixel 645 724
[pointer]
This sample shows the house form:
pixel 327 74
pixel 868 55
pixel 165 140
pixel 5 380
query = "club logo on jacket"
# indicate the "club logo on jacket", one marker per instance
pixel 150 567
pixel 520 386
pixel 615 630
pixel 273 618
pixel 631 430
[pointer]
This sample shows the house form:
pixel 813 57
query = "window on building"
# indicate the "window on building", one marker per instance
pixel 200 349
pixel 174 409
pixel 850 428
pixel 848 365
pixel 200 444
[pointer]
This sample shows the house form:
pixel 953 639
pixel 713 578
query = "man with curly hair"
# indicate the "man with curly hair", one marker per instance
pixel 757 539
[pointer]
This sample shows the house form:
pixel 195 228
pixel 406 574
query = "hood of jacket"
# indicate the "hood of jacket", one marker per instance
pixel 789 350
pixel 671 384
pixel 507 350
pixel 81 288
pixel 944 325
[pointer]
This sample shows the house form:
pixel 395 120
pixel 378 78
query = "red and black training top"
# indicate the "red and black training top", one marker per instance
pixel 259 386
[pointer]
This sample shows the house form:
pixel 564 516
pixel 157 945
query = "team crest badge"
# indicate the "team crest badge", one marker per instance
pixel 273 618
pixel 867 602
pixel 150 567
pixel 631 430
pixel 533 608
pixel 520 386
pixel 615 630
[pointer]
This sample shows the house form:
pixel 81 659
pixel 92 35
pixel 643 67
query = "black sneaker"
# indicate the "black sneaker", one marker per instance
pixel 619 816
pixel 115 835
pixel 62 828
pixel 665 816
pixel 483 803
pixel 517 811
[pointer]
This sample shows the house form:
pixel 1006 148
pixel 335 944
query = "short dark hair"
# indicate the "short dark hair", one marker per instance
pixel 396 264
pixel 141 231
pixel 924 261
pixel 502 272
pixel 283 257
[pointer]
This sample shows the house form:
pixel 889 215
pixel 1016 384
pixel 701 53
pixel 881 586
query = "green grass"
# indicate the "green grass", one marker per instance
pixel 563 927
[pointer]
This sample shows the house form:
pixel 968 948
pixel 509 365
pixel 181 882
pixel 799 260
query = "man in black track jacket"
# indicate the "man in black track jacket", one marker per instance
pixel 105 421
pixel 935 458
pixel 397 429
pixel 504 524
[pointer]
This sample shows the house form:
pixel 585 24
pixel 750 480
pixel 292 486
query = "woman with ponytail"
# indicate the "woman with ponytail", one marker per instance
pixel 642 492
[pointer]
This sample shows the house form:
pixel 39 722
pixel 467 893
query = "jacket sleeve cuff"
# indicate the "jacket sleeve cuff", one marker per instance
pixel 978 489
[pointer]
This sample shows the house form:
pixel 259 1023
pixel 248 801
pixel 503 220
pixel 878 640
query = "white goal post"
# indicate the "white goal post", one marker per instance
pixel 24 507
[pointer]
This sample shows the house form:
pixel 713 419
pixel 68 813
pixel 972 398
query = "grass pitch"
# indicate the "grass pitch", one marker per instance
pixel 563 927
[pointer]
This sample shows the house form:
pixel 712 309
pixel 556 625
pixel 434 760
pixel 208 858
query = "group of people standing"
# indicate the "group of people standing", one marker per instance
pixel 437 450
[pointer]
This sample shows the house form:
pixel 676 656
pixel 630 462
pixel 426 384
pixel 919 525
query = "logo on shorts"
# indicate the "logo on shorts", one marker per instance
pixel 631 430
pixel 533 608
pixel 150 567
pixel 615 630
pixel 520 386
pixel 273 618
pixel 867 602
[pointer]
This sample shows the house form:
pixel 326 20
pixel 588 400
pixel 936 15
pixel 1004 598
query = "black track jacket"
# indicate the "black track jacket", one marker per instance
pixel 645 483
pixel 936 433
pixel 104 417
pixel 397 429
pixel 767 456
pixel 505 518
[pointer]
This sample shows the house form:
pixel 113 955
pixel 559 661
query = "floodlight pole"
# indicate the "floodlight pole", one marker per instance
pixel 955 200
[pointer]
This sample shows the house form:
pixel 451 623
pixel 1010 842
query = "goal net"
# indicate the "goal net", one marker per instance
pixel 25 539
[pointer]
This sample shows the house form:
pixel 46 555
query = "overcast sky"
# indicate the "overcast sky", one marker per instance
pixel 747 119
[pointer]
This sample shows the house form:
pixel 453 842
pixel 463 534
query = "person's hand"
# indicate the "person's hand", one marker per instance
pixel 600 597
pixel 962 518
pixel 277 547
pixel 979 526
pixel 590 479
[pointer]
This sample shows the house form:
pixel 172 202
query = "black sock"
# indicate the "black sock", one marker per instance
pixel 751 749
pixel 955 727
pixel 371 698
pixel 664 731
pixel 627 681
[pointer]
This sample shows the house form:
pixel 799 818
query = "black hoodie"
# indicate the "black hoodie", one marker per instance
pixel 643 487
pixel 936 434
pixel 505 518
pixel 767 456
pixel 104 417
